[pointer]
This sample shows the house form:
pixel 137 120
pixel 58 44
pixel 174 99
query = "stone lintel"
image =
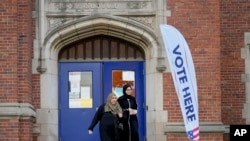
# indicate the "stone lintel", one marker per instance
pixel 205 127
pixel 246 112
pixel 20 110
pixel 245 52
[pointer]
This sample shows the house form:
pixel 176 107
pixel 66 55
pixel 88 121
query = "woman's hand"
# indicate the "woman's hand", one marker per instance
pixel 120 115
pixel 90 131
pixel 132 111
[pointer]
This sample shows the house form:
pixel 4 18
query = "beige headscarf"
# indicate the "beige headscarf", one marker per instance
pixel 113 108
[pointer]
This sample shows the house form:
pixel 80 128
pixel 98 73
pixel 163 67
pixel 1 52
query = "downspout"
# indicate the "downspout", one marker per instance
pixel 41 68
pixel 41 10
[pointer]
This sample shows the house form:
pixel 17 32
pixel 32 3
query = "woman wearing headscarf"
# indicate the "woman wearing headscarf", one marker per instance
pixel 108 115
pixel 129 108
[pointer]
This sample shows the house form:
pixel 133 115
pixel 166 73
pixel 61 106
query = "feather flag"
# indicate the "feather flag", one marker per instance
pixel 184 78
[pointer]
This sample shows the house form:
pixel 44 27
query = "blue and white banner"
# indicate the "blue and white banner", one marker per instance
pixel 183 74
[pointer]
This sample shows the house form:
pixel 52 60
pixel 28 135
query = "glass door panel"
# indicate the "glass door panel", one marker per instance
pixel 80 90
pixel 120 78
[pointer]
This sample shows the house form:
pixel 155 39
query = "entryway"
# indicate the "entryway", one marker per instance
pixel 89 69
pixel 97 39
pixel 85 86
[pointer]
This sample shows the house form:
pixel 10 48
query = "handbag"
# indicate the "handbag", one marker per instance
pixel 120 126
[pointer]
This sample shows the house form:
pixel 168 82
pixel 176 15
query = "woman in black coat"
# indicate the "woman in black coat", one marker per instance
pixel 108 115
pixel 130 122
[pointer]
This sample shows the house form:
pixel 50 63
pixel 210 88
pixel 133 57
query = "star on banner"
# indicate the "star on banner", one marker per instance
pixel 194 134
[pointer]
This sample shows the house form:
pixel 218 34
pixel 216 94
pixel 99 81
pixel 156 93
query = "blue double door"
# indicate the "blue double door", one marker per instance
pixel 83 87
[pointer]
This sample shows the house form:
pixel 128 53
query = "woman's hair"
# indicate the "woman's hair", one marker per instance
pixel 110 97
pixel 114 108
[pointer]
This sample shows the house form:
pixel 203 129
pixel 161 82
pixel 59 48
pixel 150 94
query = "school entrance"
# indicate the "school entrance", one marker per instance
pixel 88 71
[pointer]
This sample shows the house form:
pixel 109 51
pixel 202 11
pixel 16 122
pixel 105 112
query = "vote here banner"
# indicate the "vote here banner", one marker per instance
pixel 184 78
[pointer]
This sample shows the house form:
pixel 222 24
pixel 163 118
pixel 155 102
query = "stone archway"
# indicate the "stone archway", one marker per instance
pixel 95 25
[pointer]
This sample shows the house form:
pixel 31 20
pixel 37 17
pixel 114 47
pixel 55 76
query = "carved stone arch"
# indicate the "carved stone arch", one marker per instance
pixel 119 27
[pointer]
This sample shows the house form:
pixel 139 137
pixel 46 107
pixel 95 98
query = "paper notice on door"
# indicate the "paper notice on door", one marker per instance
pixel 86 103
pixel 75 86
pixel 74 76
pixel 81 103
pixel 75 103
pixel 128 75
pixel 85 92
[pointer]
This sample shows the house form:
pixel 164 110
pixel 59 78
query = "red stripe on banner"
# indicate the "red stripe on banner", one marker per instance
pixel 196 133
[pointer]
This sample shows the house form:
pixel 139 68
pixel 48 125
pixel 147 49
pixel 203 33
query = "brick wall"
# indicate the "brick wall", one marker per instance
pixel 16 37
pixel 24 48
pixel 8 54
pixel 36 90
pixel 9 130
pixel 199 22
pixel 25 129
pixel 15 56
pixel 235 20
pixel 214 31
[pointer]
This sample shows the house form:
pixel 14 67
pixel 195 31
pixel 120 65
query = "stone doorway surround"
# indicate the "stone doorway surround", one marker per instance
pixel 60 22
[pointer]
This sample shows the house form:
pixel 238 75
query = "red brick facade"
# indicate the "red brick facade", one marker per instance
pixel 16 42
pixel 234 23
pixel 213 29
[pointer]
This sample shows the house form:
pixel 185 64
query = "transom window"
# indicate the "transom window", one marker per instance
pixel 101 47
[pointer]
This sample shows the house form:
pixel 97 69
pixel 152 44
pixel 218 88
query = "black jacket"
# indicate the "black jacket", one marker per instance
pixel 108 128
pixel 130 122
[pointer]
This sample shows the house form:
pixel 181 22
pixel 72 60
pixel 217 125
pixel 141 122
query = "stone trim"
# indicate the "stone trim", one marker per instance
pixel 20 110
pixel 93 22
pixel 245 77
pixel 100 5
pixel 36 129
pixel 205 127
pixel 102 24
